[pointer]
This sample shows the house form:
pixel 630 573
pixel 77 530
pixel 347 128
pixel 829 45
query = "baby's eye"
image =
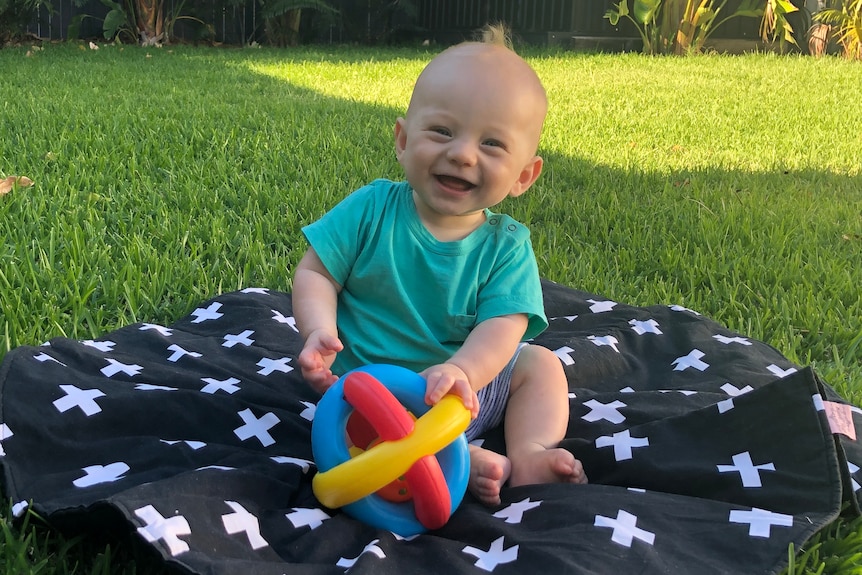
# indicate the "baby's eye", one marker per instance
pixel 441 130
pixel 494 144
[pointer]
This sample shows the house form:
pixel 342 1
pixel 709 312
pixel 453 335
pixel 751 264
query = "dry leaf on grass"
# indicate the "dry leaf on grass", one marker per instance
pixel 12 181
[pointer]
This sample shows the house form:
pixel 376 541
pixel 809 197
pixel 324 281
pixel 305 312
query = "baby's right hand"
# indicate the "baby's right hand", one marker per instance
pixel 316 358
pixel 448 378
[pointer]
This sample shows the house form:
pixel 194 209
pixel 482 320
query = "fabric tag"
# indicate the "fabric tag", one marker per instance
pixel 840 418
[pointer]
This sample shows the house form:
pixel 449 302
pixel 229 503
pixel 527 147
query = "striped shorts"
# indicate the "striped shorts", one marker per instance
pixel 493 399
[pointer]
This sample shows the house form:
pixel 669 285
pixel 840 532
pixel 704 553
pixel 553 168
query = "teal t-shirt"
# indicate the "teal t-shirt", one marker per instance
pixel 409 299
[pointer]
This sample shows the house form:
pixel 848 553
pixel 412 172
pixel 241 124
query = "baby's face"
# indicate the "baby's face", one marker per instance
pixel 471 132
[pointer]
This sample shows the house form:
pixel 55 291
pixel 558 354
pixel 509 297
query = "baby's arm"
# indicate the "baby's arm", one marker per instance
pixel 485 353
pixel 315 301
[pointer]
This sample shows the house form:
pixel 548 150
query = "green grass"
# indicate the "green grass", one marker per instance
pixel 730 185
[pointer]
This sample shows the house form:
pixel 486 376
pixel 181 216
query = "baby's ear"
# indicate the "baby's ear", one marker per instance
pixel 527 177
pixel 400 137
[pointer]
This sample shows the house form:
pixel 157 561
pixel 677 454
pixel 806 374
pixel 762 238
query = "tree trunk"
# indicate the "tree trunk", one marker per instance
pixel 151 21
pixel 283 30
pixel 818 39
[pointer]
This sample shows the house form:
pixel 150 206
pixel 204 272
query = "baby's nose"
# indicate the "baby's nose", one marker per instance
pixel 462 152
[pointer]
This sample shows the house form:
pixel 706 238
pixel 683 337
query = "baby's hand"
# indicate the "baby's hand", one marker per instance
pixel 448 378
pixel 316 358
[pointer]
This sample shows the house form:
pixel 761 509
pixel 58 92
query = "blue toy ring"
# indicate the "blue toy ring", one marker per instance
pixel 330 449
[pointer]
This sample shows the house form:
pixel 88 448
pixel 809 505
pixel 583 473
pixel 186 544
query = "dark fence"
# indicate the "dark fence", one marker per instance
pixel 538 20
pixel 445 21
pixel 217 21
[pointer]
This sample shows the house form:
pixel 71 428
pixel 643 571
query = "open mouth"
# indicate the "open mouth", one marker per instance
pixel 454 183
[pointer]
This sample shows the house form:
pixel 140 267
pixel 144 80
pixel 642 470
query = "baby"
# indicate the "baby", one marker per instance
pixel 422 274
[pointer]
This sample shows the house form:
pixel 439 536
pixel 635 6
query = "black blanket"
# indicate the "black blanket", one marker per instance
pixel 707 451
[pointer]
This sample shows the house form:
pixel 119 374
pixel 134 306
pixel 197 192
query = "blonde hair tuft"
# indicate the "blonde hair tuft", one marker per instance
pixel 497 34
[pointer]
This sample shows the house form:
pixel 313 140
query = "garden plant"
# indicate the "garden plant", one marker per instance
pixel 844 17
pixel 683 27
pixel 137 182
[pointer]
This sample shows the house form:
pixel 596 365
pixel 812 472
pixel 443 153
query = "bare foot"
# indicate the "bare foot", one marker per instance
pixel 488 472
pixel 542 465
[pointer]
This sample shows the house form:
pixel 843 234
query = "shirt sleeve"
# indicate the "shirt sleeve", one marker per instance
pixel 338 235
pixel 515 287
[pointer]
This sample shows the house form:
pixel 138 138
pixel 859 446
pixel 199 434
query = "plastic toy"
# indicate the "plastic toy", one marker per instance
pixel 379 462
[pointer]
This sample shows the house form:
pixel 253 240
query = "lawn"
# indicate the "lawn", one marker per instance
pixel 162 177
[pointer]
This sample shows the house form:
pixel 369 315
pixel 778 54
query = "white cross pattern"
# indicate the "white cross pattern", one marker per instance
pixel 818 402
pixel 304 517
pixel 165 331
pixel 193 445
pixel 309 411
pixel 280 317
pixel 402 538
pixel 642 327
pixel 726 405
pixel 781 372
pixel 210 312
pixel 607 340
pixel 258 290
pixel 19 508
pixel 371 548
pixel 749 472
pixel 851 466
pixel 495 555
pixel 241 521
pixel 682 308
pixel 625 529
pixel 153 387
pixel 601 306
pixel 76 397
pixel 168 530
pixel 565 355
pixel 734 391
pixel 243 338
pixel 255 427
pixel 103 346
pixel 623 442
pixel 114 367
pixel 690 360
pixel 303 464
pixel 286 319
pixel 216 467
pixel 729 340
pixel 607 411
pixel 43 357
pixel 760 520
pixel 267 365
pixel 514 513
pixel 5 433
pixel 95 474
pixel 179 353
pixel 228 385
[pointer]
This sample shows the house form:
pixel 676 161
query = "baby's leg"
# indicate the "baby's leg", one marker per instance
pixel 536 420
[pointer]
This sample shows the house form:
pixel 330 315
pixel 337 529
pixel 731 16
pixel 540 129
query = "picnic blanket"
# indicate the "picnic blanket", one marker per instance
pixel 707 451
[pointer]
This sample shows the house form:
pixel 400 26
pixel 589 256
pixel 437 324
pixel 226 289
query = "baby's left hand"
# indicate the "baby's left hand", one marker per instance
pixel 448 378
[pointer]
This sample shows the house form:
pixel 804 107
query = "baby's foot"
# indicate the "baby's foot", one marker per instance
pixel 555 465
pixel 488 472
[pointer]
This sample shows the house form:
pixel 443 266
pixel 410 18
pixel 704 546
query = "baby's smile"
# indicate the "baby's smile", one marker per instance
pixel 455 183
